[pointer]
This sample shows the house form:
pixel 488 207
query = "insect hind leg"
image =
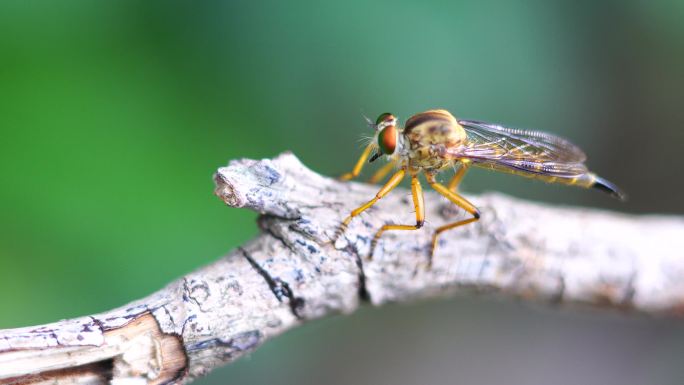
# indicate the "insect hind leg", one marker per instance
pixel 458 176
pixel 457 200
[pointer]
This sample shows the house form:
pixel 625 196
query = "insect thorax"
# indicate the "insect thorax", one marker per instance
pixel 428 135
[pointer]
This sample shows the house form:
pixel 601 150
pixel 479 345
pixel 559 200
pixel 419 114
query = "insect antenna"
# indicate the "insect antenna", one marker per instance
pixel 369 122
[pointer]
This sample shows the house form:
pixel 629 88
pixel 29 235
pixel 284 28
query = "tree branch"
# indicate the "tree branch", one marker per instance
pixel 293 273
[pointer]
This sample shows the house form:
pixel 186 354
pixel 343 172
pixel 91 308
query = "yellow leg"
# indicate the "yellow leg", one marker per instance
pixel 389 186
pixel 382 172
pixel 418 205
pixel 458 176
pixel 457 200
pixel 359 163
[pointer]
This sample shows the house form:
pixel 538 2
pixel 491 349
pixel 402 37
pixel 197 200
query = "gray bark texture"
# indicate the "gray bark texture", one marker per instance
pixel 294 272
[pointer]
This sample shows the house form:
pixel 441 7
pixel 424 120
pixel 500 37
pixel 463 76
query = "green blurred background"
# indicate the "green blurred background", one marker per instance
pixel 114 115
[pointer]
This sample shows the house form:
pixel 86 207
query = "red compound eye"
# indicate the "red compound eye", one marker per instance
pixel 387 140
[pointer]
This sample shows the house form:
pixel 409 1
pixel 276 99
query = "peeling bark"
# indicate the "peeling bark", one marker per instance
pixel 293 272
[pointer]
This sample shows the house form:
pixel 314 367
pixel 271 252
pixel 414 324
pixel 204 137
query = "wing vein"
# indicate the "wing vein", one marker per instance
pixel 535 152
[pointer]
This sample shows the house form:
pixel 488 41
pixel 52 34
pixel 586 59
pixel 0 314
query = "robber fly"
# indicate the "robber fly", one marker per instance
pixel 434 140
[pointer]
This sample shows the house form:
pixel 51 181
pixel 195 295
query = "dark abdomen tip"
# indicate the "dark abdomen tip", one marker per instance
pixel 610 188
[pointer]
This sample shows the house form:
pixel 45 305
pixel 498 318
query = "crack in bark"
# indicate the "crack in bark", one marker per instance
pixel 281 239
pixel 186 294
pixel 278 287
pixel 557 297
pixel 100 370
pixel 98 323
pixel 364 294
pixel 191 318
pixel 351 250
pixel 168 313
pixel 240 343
pixel 630 291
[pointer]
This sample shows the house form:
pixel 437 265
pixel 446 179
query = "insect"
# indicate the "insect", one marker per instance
pixel 435 140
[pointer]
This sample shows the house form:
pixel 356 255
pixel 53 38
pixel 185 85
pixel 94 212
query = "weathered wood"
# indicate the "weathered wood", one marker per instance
pixel 293 272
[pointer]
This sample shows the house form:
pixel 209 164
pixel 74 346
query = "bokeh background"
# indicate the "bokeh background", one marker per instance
pixel 114 115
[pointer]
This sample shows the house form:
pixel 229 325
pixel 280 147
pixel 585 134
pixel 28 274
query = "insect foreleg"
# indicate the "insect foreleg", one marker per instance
pixel 457 200
pixel 418 205
pixel 382 172
pixel 359 163
pixel 389 186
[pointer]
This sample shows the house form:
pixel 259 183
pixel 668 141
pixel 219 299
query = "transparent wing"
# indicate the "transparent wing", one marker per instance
pixel 535 152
